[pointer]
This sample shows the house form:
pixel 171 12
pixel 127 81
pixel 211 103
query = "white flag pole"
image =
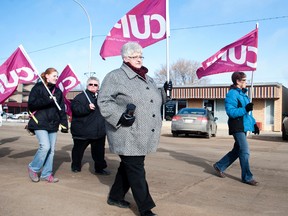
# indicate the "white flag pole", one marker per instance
pixel 36 71
pixel 167 43
pixel 252 86
pixel 84 90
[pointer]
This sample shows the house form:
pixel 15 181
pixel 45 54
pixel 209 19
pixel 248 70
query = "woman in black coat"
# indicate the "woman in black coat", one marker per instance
pixel 88 127
pixel 45 122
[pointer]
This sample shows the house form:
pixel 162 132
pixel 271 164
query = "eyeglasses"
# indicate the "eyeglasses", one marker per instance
pixel 136 57
pixel 91 84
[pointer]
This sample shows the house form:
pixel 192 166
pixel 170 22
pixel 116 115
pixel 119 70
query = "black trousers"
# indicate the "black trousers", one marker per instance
pixel 97 153
pixel 131 174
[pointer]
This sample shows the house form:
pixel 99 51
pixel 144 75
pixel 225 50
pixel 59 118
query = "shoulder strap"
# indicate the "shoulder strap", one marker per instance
pixel 239 103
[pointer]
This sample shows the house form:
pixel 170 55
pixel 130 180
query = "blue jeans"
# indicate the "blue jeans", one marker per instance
pixel 241 150
pixel 43 158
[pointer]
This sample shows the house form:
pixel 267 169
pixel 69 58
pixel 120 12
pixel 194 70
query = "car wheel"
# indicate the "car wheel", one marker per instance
pixel 284 135
pixel 175 134
pixel 20 117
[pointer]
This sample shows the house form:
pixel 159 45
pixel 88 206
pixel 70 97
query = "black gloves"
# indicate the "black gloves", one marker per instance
pixel 63 129
pixel 256 129
pixel 249 107
pixel 168 86
pixel 128 118
pixel 29 131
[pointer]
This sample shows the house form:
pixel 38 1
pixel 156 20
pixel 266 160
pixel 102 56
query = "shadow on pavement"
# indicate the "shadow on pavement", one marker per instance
pixel 197 161
pixel 8 140
pixel 186 136
pixel 268 137
pixel 5 151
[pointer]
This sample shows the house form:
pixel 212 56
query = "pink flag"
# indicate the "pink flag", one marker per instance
pixel 66 82
pixel 68 106
pixel 145 24
pixel 17 69
pixel 238 56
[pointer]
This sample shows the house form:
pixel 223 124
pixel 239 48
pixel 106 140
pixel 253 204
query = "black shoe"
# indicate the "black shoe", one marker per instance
pixel 75 170
pixel 148 213
pixel 118 203
pixel 102 172
pixel 252 182
pixel 219 173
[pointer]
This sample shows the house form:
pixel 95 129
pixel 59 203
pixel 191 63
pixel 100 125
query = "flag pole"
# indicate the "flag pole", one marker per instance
pixel 252 75
pixel 167 50
pixel 31 63
pixel 84 90
pixel 90 25
pixel 252 87
pixel 167 43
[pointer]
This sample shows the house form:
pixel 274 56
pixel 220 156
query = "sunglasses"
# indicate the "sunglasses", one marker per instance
pixel 91 84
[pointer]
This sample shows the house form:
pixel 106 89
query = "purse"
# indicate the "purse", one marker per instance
pixel 30 132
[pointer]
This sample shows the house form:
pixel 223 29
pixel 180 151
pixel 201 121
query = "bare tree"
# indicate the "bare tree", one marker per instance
pixel 161 75
pixel 182 72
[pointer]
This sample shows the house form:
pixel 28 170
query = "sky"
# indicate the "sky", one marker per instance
pixel 56 33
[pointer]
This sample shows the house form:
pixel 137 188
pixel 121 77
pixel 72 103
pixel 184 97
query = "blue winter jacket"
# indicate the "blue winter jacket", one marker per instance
pixel 239 119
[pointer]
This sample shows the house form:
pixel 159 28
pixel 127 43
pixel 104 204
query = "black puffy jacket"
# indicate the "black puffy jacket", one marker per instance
pixel 86 123
pixel 46 112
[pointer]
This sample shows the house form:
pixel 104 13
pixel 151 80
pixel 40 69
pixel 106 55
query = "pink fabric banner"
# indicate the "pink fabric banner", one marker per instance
pixel 66 82
pixel 68 107
pixel 238 56
pixel 145 24
pixel 17 69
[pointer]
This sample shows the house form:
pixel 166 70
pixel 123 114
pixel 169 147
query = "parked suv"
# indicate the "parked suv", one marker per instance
pixel 22 115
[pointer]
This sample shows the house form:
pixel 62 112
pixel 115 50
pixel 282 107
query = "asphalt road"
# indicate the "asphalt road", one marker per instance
pixel 180 177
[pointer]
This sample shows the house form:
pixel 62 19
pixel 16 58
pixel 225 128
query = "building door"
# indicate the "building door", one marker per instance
pixel 209 104
pixel 269 114
pixel 220 112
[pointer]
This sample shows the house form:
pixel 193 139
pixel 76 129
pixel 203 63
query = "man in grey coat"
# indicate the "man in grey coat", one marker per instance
pixel 130 102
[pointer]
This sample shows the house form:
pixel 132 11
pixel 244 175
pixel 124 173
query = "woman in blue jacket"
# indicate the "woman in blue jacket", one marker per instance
pixel 238 106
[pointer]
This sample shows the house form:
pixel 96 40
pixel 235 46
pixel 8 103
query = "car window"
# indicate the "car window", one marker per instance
pixel 193 111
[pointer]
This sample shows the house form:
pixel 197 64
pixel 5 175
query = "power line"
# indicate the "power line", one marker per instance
pixel 62 44
pixel 174 29
pixel 230 23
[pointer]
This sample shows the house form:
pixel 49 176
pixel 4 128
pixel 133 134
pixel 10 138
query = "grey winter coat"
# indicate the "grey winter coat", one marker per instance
pixel 119 88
